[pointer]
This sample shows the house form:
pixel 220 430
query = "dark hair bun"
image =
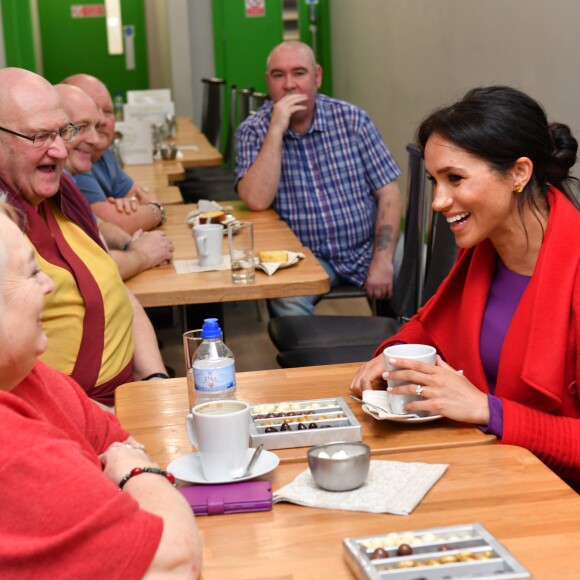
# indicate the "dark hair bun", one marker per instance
pixel 564 154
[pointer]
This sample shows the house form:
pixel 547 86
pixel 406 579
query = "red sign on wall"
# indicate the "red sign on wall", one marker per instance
pixel 87 10
pixel 255 8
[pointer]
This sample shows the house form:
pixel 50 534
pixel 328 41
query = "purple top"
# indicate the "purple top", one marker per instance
pixel 504 296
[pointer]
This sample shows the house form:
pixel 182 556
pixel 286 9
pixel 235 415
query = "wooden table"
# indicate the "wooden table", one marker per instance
pixel 162 286
pixel 196 150
pixel 169 195
pixel 149 409
pixel 158 174
pixel 519 500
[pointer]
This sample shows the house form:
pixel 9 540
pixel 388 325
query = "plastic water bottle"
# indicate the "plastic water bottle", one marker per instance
pixel 214 371
pixel 118 106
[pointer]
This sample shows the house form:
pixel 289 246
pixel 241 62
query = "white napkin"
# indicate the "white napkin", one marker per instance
pixel 188 266
pixel 271 267
pixel 391 487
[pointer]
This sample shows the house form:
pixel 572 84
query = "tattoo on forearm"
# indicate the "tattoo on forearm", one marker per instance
pixel 384 237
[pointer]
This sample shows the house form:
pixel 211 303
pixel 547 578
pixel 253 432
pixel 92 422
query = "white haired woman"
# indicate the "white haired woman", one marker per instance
pixel 63 460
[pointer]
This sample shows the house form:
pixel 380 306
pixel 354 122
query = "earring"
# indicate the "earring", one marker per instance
pixel 518 188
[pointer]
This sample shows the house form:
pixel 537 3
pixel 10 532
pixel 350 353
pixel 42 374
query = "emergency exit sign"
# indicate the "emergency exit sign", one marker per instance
pixel 87 10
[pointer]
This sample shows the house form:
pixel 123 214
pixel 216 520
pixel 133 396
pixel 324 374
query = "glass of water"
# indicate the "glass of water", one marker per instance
pixel 241 239
pixel 191 341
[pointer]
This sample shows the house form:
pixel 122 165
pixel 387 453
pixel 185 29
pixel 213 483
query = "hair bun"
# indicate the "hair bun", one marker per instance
pixel 564 153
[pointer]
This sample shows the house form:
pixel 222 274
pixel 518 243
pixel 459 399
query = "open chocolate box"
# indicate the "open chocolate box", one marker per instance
pixel 303 423
pixel 467 551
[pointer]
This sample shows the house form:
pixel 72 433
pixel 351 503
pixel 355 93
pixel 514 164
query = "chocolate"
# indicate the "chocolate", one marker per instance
pixel 270 430
pixel 285 427
pixel 404 550
pixel 313 426
pixel 379 553
pixel 301 426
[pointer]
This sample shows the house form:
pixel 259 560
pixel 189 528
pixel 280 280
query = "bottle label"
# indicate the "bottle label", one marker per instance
pixel 214 380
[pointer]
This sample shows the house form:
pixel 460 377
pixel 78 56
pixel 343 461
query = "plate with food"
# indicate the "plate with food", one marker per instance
pixel 271 260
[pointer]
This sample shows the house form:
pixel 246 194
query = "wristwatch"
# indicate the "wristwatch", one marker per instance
pixel 157 207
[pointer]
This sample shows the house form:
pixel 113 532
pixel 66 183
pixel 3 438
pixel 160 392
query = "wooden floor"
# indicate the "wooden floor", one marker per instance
pixel 247 336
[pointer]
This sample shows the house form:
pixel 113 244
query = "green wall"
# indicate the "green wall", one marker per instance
pixel 74 45
pixel 18 34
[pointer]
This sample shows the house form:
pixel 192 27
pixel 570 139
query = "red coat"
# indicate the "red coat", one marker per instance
pixel 539 366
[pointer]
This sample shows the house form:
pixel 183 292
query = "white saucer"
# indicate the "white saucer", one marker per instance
pixel 400 418
pixel 188 467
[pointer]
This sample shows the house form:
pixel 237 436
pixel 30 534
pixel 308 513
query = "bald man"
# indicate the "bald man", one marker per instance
pixel 98 333
pixel 113 195
pixel 322 164
pixel 133 254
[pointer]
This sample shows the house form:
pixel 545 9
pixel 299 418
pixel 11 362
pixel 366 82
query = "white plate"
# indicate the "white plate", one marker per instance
pixel 400 418
pixel 188 467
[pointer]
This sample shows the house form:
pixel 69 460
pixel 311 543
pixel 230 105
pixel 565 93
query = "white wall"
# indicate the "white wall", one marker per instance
pixel 181 67
pixel 202 53
pixel 400 59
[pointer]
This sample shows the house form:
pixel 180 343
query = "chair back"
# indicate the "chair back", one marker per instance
pixel 405 300
pixel 244 103
pixel 211 117
pixel 441 255
pixel 257 100
pixel 229 149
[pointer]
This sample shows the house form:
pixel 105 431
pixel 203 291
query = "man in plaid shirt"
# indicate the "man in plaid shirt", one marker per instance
pixel 322 164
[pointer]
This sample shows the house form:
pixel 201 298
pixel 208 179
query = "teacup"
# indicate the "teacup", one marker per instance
pixel 208 242
pixel 421 352
pixel 220 430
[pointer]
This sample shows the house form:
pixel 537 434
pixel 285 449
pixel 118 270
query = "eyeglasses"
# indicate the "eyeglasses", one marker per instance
pixel 46 138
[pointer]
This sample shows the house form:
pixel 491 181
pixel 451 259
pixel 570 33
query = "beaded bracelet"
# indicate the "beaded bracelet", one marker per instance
pixel 139 470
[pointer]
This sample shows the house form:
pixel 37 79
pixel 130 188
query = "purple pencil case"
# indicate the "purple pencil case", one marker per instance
pixel 229 498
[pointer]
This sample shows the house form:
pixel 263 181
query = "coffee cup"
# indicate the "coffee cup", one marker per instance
pixel 421 352
pixel 208 241
pixel 220 431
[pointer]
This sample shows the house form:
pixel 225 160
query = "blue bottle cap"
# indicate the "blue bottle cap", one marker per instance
pixel 211 328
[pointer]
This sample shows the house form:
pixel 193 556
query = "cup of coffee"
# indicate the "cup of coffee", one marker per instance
pixel 208 241
pixel 421 352
pixel 220 430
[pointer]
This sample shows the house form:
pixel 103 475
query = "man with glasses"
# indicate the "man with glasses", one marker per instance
pixel 113 195
pixel 133 253
pixel 98 333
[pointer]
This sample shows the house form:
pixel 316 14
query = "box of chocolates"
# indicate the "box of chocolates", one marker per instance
pixel 467 551
pixel 303 423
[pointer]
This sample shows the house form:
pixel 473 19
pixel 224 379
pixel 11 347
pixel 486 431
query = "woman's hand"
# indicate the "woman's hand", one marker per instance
pixel 446 391
pixel 369 373
pixel 120 458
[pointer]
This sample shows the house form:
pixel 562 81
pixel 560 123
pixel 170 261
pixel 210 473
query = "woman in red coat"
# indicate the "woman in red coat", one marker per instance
pixel 508 314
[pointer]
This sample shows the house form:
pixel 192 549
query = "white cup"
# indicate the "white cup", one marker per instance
pixel 208 241
pixel 421 352
pixel 220 430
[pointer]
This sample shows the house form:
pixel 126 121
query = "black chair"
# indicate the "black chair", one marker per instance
pixel 443 252
pixel 215 183
pixel 257 100
pixel 314 340
pixel 212 112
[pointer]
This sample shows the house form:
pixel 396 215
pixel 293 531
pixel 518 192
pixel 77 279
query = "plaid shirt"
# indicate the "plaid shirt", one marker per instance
pixel 327 182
